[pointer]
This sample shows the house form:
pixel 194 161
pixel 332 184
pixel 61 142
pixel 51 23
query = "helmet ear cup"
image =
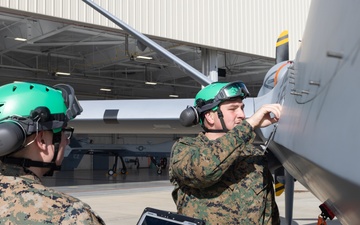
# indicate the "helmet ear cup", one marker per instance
pixel 12 137
pixel 189 116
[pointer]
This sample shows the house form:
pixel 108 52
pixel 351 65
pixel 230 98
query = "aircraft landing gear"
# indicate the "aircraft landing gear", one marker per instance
pixel 163 163
pixel 124 169
pixel 112 171
pixel 160 166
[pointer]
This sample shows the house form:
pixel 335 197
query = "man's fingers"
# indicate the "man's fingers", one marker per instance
pixel 275 111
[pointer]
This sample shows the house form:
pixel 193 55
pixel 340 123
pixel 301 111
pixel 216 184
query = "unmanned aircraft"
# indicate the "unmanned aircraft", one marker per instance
pixel 158 153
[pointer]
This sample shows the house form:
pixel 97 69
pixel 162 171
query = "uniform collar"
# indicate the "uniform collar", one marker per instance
pixel 17 171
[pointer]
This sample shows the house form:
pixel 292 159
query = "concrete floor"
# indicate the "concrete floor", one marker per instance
pixel 121 199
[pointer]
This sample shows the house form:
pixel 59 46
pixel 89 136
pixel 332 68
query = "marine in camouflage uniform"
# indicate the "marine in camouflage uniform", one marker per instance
pixel 223 181
pixel 34 134
pixel 24 200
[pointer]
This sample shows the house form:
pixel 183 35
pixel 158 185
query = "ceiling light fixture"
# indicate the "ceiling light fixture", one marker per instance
pixel 16 38
pixel 150 83
pixel 62 73
pixel 143 57
pixel 20 39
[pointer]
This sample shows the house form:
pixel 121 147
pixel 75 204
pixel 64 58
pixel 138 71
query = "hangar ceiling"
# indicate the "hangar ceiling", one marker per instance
pixel 98 57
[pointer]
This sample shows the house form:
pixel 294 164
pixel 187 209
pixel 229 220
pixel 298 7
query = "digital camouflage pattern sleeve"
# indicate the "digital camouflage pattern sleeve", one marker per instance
pixel 202 163
pixel 223 181
pixel 24 200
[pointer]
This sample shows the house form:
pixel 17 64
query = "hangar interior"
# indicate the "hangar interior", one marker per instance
pixel 103 63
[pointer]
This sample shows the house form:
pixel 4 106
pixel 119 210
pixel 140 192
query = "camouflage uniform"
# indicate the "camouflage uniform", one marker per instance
pixel 223 181
pixel 24 200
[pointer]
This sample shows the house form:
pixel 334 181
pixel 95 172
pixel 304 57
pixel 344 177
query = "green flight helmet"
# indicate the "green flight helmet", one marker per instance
pixel 206 96
pixel 26 108
pixel 210 97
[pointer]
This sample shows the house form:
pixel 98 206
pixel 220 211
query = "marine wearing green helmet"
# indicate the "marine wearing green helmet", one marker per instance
pixel 219 176
pixel 209 98
pixel 27 108
pixel 33 138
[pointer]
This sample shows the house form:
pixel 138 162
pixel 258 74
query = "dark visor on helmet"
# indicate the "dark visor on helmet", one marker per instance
pixel 232 90
pixel 73 106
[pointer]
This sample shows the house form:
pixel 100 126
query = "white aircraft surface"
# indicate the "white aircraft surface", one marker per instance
pixel 316 137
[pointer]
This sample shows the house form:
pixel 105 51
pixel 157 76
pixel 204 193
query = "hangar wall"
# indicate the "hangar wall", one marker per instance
pixel 243 26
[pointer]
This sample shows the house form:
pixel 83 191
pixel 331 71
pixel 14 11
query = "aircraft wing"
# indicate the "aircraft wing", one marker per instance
pixel 127 150
pixel 151 116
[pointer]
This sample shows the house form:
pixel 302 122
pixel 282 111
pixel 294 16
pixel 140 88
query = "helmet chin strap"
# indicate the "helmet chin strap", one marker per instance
pixel 221 117
pixel 26 163
pixel 54 167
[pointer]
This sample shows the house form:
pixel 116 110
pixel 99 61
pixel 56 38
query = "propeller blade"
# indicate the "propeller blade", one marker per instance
pixel 289 197
pixel 282 47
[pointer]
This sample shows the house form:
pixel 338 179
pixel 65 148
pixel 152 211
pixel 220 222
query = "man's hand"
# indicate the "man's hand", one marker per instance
pixel 265 116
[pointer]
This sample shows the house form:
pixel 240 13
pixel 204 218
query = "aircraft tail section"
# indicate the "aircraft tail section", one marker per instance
pixel 275 74
pixel 282 47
